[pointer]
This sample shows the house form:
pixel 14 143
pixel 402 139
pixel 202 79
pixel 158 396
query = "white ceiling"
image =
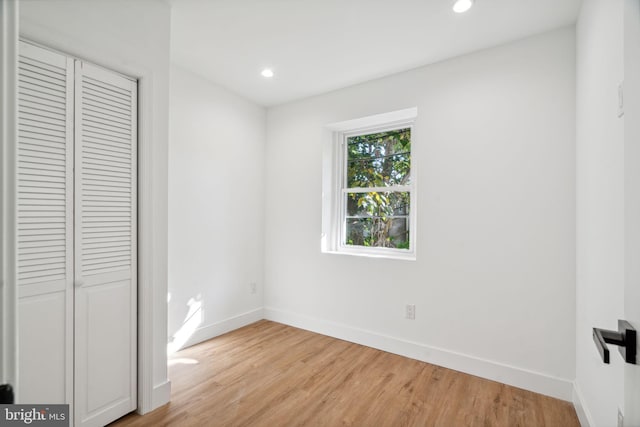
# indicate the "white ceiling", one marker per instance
pixel 315 46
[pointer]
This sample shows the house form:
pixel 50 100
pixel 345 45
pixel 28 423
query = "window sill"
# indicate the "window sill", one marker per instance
pixel 409 256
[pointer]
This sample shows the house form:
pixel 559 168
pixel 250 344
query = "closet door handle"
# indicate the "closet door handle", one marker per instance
pixel 78 283
pixel 624 337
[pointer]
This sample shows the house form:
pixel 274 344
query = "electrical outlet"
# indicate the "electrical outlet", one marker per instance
pixel 410 312
pixel 253 287
pixel 620 418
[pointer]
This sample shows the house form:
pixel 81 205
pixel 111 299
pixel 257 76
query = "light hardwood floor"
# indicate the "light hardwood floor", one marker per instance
pixel 272 375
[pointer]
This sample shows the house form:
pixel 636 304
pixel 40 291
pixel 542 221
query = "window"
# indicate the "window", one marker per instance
pixel 368 187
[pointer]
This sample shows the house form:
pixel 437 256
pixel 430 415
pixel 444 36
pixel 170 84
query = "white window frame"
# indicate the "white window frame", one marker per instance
pixel 334 184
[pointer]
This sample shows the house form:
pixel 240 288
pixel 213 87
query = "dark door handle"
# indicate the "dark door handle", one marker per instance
pixel 624 337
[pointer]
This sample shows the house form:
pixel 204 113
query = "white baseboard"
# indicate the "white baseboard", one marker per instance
pixel 584 416
pixel 559 388
pixel 213 330
pixel 161 394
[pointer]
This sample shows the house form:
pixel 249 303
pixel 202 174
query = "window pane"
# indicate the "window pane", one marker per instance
pixel 374 204
pixel 379 159
pixel 377 232
pixel 378 219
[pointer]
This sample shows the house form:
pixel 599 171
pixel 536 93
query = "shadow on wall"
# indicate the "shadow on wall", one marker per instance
pixel 192 321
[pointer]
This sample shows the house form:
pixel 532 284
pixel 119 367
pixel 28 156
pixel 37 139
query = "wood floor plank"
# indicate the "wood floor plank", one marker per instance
pixel 268 374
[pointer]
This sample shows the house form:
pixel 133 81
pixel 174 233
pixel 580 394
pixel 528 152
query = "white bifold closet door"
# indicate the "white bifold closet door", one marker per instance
pixel 45 226
pixel 77 236
pixel 105 245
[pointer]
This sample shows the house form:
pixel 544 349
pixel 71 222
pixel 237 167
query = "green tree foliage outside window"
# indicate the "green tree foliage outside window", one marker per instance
pixel 380 162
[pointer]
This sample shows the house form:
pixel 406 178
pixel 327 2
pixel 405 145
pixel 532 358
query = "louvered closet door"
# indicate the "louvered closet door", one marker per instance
pixel 45 227
pixel 105 245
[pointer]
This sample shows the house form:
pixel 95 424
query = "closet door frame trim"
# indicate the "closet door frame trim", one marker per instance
pixel 8 187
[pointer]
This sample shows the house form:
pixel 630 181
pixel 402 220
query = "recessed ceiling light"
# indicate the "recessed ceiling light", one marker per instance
pixel 267 72
pixel 461 6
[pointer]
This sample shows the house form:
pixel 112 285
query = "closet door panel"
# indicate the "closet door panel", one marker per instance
pixel 108 320
pixel 105 245
pixel 43 377
pixel 45 225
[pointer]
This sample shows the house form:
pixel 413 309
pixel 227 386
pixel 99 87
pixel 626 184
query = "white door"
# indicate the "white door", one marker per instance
pixel 105 245
pixel 632 200
pixel 76 236
pixel 45 225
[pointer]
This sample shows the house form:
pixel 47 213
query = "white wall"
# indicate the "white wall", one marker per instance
pixel 131 37
pixel 494 283
pixel 600 204
pixel 216 209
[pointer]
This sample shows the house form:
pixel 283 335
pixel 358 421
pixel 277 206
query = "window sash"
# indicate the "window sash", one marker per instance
pixel 344 217
pixel 345 190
